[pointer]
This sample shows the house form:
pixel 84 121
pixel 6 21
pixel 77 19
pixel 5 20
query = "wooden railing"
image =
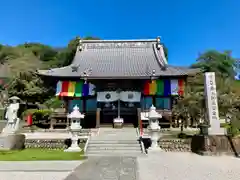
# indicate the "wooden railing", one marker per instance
pixel 58 119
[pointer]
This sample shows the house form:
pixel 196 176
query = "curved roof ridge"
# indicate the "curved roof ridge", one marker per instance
pixel 117 40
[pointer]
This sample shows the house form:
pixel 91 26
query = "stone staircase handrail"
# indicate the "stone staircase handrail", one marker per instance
pixel 141 142
pixel 86 145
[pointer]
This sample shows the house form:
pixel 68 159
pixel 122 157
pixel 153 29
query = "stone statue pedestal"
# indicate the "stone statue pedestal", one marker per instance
pixel 9 139
pixel 74 146
pixel 154 129
pixel 75 128
pixel 155 135
pixel 12 141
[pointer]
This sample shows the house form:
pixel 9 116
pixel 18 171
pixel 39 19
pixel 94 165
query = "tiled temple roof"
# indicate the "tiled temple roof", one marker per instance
pixel 118 59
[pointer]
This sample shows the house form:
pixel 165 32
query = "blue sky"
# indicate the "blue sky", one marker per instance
pixel 187 27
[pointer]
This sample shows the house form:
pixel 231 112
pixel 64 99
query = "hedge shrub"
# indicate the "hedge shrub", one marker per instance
pixel 37 114
pixel 53 103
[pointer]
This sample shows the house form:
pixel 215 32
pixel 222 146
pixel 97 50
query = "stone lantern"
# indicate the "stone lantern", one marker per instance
pixel 75 117
pixel 154 128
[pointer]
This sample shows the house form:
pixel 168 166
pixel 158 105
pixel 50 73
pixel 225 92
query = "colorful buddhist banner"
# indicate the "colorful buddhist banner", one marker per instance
pixel 71 89
pixel 167 87
pixel 78 89
pixel 85 90
pixel 180 87
pixel 164 87
pixel 160 87
pixel 153 87
pixel 146 88
pixel 74 89
pixel 174 87
pixel 64 90
pixel 59 88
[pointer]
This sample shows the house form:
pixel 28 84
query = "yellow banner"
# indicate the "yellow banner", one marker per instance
pixel 153 88
pixel 71 88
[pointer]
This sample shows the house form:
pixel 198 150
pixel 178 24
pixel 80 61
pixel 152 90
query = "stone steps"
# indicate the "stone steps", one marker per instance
pixel 111 145
pixel 120 151
pixel 114 142
pixel 115 154
pixel 112 148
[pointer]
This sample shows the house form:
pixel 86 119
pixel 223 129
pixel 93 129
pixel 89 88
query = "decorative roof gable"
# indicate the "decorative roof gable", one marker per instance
pixel 117 59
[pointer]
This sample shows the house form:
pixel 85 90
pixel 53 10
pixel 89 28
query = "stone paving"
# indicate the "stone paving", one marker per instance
pixel 155 166
pixel 106 168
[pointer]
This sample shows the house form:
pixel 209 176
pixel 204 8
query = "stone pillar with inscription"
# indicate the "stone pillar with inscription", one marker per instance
pixel 212 105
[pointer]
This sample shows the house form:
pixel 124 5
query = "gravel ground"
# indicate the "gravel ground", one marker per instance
pixel 188 166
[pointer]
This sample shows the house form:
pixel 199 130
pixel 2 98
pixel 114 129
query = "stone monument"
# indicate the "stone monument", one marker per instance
pixel 9 138
pixel 75 116
pixel 212 139
pixel 212 105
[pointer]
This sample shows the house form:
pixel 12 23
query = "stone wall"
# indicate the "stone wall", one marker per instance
pixel 51 143
pixel 175 145
pixel 215 145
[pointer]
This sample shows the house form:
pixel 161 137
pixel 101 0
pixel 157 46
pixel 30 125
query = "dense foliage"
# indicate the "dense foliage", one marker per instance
pixel 19 63
pixel 193 105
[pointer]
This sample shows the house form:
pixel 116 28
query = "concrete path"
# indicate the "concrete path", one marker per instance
pixel 37 170
pixel 106 168
pixel 157 166
pixel 188 166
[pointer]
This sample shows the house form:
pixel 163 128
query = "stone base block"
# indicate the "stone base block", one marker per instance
pixel 12 142
pixel 118 122
pixel 215 145
pixel 218 131
pixel 118 125
pixel 155 149
pixel 73 149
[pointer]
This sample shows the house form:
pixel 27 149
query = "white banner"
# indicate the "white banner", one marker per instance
pixel 130 96
pixel 107 96
pixel 174 87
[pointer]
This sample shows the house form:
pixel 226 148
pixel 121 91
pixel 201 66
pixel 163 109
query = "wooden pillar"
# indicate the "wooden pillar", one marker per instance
pixel 98 114
pixel 139 116
pixel 84 105
pixel 170 120
pixel 65 104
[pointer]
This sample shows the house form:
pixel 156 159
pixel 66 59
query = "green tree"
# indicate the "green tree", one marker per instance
pixel 214 61
pixel 66 56
pixel 91 38
pixel 29 87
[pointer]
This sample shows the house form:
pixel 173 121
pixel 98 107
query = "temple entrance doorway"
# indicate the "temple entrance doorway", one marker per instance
pixel 110 111
pixel 119 104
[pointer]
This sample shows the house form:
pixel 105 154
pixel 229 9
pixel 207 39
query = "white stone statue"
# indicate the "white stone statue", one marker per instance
pixel 12 116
